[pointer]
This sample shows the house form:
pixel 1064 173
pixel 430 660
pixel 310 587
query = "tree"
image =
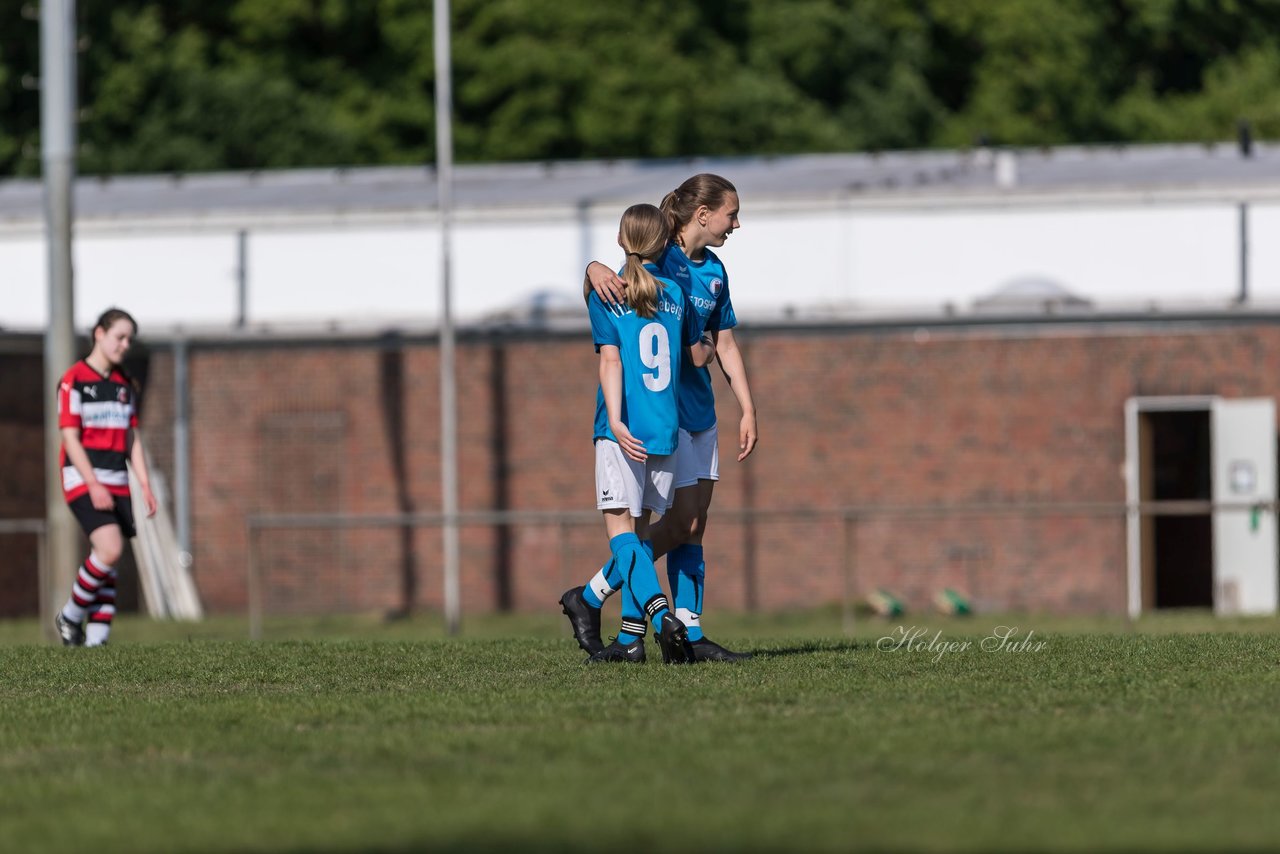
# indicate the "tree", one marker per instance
pixel 183 85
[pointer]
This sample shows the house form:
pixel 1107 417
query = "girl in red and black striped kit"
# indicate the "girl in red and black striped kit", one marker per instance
pixel 97 411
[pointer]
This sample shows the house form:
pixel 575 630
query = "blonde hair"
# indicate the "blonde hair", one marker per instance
pixel 643 234
pixel 683 202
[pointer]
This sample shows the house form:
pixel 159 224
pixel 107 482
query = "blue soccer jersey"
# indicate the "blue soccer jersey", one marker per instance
pixel 707 284
pixel 653 352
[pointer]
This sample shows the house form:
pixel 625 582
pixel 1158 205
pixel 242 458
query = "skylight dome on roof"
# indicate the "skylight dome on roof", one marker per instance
pixel 1032 293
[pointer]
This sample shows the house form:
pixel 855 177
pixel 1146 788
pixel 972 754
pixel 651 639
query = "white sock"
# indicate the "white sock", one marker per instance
pixel 95 634
pixel 86 587
pixel 600 586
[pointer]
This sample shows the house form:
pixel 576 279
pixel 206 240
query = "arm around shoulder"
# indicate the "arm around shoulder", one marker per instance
pixel 604 283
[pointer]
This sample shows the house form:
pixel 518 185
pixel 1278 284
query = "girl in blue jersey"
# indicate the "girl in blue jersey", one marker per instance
pixel 644 344
pixel 703 212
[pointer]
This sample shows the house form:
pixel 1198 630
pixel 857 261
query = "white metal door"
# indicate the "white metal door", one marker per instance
pixel 1244 540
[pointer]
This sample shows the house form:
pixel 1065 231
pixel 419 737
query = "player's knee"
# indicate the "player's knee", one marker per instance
pixel 109 549
pixel 687 527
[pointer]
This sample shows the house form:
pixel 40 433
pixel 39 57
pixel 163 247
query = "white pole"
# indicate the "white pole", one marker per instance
pixel 1133 518
pixel 448 390
pixel 1243 296
pixel 182 449
pixel 58 149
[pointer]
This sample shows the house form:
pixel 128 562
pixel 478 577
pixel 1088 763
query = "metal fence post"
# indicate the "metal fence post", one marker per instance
pixel 563 534
pixel 850 542
pixel 255 583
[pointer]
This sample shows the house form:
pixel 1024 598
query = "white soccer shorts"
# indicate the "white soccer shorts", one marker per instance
pixel 623 482
pixel 697 457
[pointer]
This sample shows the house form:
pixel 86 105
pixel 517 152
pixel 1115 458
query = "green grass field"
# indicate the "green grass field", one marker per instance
pixel 354 735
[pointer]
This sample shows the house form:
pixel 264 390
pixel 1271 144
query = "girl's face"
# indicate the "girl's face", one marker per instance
pixel 114 342
pixel 720 223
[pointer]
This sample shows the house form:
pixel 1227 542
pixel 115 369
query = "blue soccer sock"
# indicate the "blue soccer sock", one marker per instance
pixel 608 580
pixel 686 572
pixel 642 599
pixel 602 585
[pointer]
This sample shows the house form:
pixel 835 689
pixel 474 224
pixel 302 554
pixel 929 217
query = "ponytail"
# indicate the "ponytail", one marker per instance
pixel 643 234
pixel 683 202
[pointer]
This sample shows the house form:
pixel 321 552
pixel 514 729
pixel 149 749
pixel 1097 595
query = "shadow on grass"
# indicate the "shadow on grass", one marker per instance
pixel 815 647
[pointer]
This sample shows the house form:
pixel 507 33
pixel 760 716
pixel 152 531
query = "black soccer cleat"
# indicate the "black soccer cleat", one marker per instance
pixel 584 619
pixel 705 649
pixel 631 653
pixel 673 639
pixel 72 634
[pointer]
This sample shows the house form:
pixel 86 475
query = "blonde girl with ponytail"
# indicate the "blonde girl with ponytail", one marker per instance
pixel 702 214
pixel 643 345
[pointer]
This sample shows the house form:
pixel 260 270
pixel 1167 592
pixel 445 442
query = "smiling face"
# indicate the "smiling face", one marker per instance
pixel 114 341
pixel 721 222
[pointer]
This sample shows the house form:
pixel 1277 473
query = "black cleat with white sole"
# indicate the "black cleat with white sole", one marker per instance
pixel 705 649
pixel 584 619
pixel 630 653
pixel 673 640
pixel 72 634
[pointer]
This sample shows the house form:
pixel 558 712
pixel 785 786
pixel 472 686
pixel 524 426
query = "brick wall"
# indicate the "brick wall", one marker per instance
pixel 21 478
pixel 902 417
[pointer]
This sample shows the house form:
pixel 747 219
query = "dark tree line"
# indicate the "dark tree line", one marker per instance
pixel 192 85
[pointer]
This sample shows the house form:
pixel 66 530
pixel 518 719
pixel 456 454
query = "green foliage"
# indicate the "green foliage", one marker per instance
pixel 1235 88
pixel 860 65
pixel 183 85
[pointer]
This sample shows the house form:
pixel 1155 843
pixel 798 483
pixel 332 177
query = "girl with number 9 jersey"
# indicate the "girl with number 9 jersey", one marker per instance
pixel 643 344
pixel 703 212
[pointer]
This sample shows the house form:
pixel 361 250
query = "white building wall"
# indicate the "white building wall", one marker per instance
pixel 1264 252
pixel 815 259
pixel 1107 255
pixel 166 278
